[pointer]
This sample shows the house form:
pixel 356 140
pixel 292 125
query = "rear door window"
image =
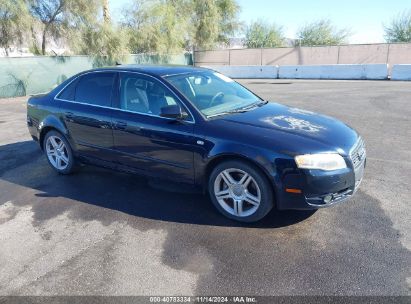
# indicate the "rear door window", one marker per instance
pixel 95 89
pixel 69 91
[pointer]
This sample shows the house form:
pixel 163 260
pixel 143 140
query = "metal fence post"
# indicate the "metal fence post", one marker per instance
pixel 338 54
pixel 261 56
pixel 388 54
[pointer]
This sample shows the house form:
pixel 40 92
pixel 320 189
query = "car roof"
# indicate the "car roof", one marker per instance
pixel 156 70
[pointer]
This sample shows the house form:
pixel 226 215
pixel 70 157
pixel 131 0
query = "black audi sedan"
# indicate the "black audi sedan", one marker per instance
pixel 197 126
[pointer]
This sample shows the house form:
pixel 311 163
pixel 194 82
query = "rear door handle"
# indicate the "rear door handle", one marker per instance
pixel 121 125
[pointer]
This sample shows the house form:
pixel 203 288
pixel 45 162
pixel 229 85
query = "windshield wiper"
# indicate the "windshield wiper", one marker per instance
pixel 261 103
pixel 220 114
pixel 250 107
pixel 241 110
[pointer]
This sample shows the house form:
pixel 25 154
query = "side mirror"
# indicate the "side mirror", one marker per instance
pixel 173 111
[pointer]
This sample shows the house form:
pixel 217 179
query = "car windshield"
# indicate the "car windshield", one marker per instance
pixel 213 93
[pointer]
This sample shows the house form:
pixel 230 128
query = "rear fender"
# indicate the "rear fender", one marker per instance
pixel 51 122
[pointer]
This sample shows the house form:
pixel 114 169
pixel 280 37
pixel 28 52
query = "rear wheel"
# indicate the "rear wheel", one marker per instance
pixel 240 191
pixel 58 152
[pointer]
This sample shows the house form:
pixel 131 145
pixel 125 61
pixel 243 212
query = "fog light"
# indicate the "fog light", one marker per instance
pixel 328 199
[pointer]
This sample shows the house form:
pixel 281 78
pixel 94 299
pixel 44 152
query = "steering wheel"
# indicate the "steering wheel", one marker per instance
pixel 216 97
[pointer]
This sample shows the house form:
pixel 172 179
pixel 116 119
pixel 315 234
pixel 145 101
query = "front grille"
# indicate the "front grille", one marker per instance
pixel 357 154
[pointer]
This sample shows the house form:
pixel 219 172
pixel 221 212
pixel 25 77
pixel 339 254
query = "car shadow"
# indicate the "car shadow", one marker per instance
pixel 24 164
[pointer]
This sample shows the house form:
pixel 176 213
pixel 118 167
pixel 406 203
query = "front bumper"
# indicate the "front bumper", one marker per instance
pixel 319 189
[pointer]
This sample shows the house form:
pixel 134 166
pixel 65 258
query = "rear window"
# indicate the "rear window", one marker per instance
pixel 95 89
pixel 69 91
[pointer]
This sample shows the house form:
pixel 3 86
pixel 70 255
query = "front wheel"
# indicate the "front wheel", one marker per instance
pixel 240 191
pixel 58 152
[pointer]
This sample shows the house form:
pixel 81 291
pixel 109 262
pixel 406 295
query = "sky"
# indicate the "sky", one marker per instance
pixel 364 18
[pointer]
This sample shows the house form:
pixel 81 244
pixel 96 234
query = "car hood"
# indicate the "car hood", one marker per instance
pixel 305 124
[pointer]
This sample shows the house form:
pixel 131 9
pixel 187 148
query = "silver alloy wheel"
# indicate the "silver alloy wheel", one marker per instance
pixel 237 192
pixel 57 152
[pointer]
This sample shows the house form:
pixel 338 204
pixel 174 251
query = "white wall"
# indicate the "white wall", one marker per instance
pixel 401 72
pixel 247 71
pixel 331 71
pixel 335 71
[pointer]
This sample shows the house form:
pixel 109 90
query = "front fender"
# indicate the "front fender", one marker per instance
pixel 257 156
pixel 223 150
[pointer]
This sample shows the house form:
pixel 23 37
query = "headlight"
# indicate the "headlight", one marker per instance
pixel 326 161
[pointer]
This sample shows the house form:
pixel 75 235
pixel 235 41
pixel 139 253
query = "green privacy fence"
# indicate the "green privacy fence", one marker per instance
pixel 32 75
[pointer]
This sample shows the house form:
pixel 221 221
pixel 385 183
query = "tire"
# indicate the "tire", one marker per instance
pixel 58 152
pixel 244 195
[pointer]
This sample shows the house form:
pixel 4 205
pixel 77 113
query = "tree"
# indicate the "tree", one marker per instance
pixel 107 44
pixel 321 32
pixel 106 11
pixel 229 22
pixel 207 23
pixel 399 30
pixel 173 25
pixel 155 26
pixel 213 22
pixel 59 16
pixel 260 34
pixel 14 22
